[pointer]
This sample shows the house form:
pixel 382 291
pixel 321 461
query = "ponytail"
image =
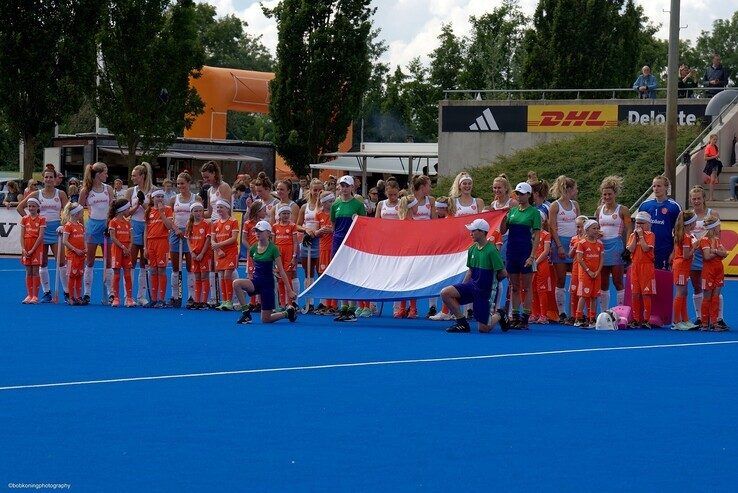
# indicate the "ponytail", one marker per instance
pixel 144 169
pixel 91 170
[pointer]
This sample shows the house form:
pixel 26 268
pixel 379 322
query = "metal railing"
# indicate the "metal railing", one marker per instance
pixel 696 144
pixel 477 94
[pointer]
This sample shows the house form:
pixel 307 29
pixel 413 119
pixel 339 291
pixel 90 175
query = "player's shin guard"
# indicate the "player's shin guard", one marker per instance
pixel 211 285
pixel 697 302
pixel 561 299
pixel 720 309
pixel 142 285
pixel 620 297
pixel 191 289
pixel 43 274
pixel 604 300
pixel 87 280
pixel 173 280
pixel 64 278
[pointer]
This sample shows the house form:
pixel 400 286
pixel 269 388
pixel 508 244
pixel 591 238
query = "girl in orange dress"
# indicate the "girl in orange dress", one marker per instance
pixel 574 284
pixel 713 275
pixel 285 239
pixel 642 271
pixel 684 246
pixel 590 252
pixel 325 233
pixel 224 240
pixel 32 238
pixel 542 282
pixel 74 243
pixel 120 256
pixel 198 240
pixel 159 221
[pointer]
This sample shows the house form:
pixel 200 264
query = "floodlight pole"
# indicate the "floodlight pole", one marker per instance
pixel 670 152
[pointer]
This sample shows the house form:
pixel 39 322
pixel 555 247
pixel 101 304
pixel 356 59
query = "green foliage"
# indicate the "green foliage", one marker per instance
pixel 47 58
pixel 492 58
pixel 249 126
pixel 227 44
pixel 143 102
pixel 633 152
pixel 584 44
pixel 323 66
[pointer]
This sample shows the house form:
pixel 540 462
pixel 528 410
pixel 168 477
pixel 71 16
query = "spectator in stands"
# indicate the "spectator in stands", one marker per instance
pixel 716 77
pixel 300 195
pixel 687 81
pixel 646 84
pixel 73 193
pixel 370 203
pixel 12 196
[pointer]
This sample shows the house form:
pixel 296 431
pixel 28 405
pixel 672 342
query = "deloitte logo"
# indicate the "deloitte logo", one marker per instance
pixel 485 123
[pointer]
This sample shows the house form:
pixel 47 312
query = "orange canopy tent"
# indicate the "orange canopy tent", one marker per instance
pixel 224 89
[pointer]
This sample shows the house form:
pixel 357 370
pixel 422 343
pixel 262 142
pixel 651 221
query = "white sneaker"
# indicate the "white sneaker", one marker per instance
pixel 142 301
pixel 440 316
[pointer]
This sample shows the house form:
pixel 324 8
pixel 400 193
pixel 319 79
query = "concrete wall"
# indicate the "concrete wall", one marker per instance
pixel 462 150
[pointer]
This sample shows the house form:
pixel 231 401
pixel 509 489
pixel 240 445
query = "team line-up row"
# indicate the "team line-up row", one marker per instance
pixel 204 237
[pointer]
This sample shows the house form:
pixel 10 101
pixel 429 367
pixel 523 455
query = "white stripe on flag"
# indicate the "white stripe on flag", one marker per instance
pixel 389 273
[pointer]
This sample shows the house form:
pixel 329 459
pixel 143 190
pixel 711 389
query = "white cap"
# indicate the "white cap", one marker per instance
pixel 347 179
pixel 642 216
pixel 523 187
pixel 478 224
pixel 589 223
pixel 263 226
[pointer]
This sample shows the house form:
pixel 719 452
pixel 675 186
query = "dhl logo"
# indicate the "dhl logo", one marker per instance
pixel 571 118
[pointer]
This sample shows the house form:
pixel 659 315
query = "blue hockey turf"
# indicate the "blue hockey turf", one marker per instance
pixel 164 400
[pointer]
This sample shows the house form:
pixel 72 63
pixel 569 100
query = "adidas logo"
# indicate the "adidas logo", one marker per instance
pixel 486 122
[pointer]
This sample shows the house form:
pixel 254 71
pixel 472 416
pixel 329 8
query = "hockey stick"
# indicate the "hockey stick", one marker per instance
pixel 57 276
pixel 105 295
pixel 179 274
pixel 308 277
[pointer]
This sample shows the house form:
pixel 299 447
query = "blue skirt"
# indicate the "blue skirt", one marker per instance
pixel 174 244
pixel 565 243
pixel 612 255
pixel 137 232
pixel 95 231
pixel 51 237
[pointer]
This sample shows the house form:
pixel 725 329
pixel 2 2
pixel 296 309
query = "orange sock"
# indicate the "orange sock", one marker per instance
pixel 543 303
pixel 714 313
pixel 205 283
pixel 574 303
pixel 536 306
pixel 162 287
pixel 116 283
pixel 223 288
pixel 198 289
pixel 282 293
pixel 154 287
pixel 128 283
pixel 637 308
pixel 705 309
pixel 228 289
pixel 444 309
pixel 679 301
pixel 647 307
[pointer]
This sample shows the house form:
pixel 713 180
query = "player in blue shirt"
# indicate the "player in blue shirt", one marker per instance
pixel 664 213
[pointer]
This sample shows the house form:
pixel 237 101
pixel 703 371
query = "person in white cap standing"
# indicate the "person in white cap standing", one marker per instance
pixel 524 224
pixel 479 286
pixel 343 211
pixel 266 257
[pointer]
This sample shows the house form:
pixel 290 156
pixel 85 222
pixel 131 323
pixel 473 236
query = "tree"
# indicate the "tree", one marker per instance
pixel 492 58
pixel 148 50
pixel 47 58
pixel 323 65
pixel 446 60
pixel 420 97
pixel 584 44
pixel 370 117
pixel 227 44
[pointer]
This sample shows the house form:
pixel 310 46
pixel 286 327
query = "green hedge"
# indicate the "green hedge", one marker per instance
pixel 634 152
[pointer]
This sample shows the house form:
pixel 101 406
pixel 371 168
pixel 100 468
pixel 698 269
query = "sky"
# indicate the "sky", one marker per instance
pixel 410 27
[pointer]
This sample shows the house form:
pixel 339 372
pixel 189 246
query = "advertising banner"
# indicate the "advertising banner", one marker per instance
pixel 483 118
pixel 729 238
pixel 687 114
pixel 571 118
pixel 9 231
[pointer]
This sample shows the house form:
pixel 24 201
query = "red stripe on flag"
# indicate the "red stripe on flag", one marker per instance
pixel 412 238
